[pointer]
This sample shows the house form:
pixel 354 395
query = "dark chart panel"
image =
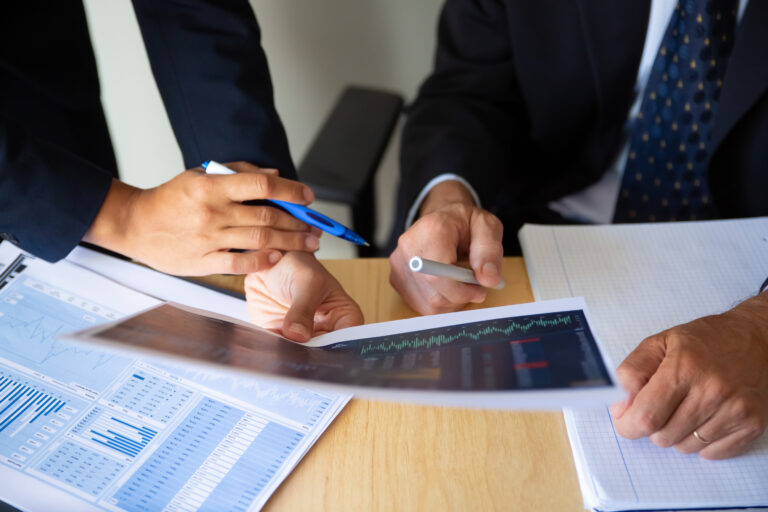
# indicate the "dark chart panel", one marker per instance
pixel 545 351
pixel 555 350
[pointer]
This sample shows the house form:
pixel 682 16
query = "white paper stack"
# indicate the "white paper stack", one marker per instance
pixel 638 280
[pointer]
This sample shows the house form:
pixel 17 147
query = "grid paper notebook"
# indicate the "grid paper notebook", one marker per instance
pixel 638 280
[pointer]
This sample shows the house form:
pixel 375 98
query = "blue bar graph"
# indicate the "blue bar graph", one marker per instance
pixel 16 399
pixel 31 413
pixel 120 434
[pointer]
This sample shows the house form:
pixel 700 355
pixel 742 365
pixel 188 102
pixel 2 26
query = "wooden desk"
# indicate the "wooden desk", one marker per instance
pixel 385 456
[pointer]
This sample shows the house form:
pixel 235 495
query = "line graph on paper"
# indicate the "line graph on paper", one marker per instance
pixel 33 314
pixel 295 403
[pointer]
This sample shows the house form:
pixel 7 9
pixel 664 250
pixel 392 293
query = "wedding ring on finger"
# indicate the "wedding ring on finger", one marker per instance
pixel 701 439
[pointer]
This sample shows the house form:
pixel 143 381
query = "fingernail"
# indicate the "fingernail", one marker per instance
pixel 312 242
pixel 274 172
pixel 300 329
pixel 308 195
pixel 491 269
pixel 274 257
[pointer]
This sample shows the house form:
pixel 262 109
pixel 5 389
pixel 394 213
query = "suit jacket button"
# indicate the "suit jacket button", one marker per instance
pixel 9 237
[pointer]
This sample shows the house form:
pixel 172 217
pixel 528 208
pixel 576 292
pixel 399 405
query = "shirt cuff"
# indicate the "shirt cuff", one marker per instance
pixel 429 186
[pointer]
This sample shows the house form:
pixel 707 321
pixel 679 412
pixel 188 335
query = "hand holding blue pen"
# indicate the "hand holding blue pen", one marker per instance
pixel 299 211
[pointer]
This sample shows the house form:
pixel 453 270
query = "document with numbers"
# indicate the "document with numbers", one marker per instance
pixel 82 429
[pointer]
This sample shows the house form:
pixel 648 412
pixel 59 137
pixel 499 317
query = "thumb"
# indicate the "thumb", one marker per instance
pixel 485 249
pixel 637 369
pixel 299 321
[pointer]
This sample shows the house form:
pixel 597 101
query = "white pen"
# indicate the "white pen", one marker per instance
pixel 434 268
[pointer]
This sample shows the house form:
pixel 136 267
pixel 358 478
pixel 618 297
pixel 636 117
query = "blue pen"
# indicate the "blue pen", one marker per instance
pixel 299 211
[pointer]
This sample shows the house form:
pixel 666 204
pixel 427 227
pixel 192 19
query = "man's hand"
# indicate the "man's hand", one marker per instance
pixel 187 225
pixel 450 228
pixel 709 376
pixel 299 299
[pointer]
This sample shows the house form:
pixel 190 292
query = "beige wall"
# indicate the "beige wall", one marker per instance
pixel 314 47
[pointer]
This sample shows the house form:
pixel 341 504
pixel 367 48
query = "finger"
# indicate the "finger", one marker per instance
pixel 653 405
pixel 692 412
pixel 267 238
pixel 245 186
pixel 729 446
pixel 728 430
pixel 636 370
pixel 248 167
pixel 222 262
pixel 299 321
pixel 485 249
pixel 451 293
pixel 240 215
pixel 340 313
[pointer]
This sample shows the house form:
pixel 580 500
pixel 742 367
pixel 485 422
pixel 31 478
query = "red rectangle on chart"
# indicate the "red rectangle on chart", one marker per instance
pixel 515 342
pixel 532 364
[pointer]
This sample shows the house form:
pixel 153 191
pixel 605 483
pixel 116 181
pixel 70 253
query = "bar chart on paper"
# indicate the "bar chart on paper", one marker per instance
pixel 120 433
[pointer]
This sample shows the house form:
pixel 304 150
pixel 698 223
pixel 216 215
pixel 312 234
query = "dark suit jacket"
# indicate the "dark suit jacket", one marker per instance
pixel 528 100
pixel 56 159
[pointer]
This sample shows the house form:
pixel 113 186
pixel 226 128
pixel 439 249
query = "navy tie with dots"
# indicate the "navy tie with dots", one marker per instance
pixel 665 178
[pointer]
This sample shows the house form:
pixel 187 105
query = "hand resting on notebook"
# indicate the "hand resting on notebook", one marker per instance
pixel 298 298
pixel 709 376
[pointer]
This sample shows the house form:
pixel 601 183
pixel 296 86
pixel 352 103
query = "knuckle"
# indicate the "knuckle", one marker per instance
pixel 715 390
pixel 259 236
pixel 231 264
pixel 435 301
pixel 203 217
pixel 465 210
pixel 741 409
pixel 647 423
pixel 661 439
pixel 202 187
pixel 624 371
pixel 754 427
pixel 491 220
pixel 267 216
pixel 262 185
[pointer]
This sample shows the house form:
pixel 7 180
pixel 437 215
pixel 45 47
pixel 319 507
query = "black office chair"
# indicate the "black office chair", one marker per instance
pixel 342 161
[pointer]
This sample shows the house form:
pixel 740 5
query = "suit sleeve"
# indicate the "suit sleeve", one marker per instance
pixel 468 117
pixel 48 196
pixel 213 77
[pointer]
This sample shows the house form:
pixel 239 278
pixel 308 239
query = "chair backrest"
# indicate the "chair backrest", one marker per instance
pixel 343 158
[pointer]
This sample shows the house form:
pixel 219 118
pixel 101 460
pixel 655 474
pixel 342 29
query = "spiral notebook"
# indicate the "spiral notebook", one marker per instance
pixel 638 280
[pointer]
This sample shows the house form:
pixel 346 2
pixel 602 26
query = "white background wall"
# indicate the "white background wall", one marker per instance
pixel 314 48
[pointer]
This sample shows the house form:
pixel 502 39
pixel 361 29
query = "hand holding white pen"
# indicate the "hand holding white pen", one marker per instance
pixel 451 228
pixel 187 225
pixel 435 268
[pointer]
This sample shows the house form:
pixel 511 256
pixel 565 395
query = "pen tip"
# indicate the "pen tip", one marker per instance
pixel 367 244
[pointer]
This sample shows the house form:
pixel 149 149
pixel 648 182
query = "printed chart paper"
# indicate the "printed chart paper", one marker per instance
pixel 83 429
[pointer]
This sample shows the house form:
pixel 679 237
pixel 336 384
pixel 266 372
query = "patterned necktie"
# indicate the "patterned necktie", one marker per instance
pixel 665 178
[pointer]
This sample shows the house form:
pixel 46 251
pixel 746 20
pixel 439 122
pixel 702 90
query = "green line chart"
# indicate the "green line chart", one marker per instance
pixel 475 331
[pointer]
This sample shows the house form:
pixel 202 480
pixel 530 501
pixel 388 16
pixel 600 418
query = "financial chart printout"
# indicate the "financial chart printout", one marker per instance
pixel 542 351
pixel 86 429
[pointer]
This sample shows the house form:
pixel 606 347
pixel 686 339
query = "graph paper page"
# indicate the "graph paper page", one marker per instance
pixel 638 280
